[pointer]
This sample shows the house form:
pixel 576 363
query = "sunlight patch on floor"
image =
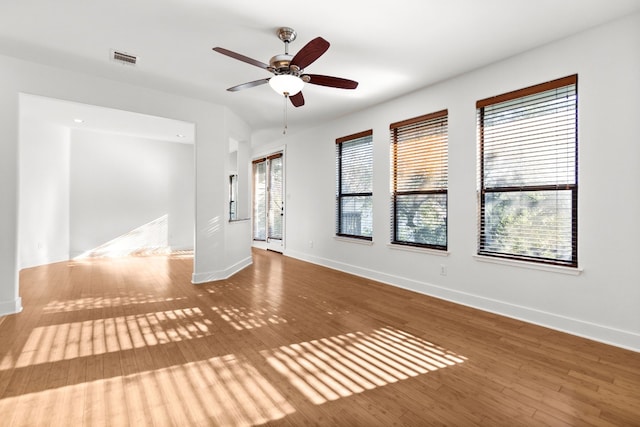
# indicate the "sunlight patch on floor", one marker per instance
pixel 219 391
pixel 93 337
pixel 331 368
pixel 92 303
pixel 242 318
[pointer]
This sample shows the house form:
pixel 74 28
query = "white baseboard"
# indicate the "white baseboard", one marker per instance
pixel 212 276
pixel 605 334
pixel 10 307
pixel 181 248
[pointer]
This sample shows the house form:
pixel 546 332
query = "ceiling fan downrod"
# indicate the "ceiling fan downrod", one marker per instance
pixel 287 35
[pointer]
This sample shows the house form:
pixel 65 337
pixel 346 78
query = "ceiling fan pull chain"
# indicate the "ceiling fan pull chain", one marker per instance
pixel 286 98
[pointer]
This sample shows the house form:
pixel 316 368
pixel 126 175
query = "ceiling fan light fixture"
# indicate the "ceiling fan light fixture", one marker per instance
pixel 286 84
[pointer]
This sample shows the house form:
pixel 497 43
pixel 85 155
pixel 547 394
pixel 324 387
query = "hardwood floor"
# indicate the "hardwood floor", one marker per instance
pixel 285 343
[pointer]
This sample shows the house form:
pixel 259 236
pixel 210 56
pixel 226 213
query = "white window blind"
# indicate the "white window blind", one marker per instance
pixel 419 156
pixel 528 169
pixel 354 185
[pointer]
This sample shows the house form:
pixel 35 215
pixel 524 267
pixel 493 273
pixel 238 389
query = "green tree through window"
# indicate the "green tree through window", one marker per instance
pixel 419 181
pixel 528 173
pixel 354 185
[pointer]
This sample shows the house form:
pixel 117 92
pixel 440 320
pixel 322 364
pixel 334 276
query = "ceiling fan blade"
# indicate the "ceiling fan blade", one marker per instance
pixel 248 85
pixel 330 81
pixel 239 57
pixel 297 100
pixel 310 52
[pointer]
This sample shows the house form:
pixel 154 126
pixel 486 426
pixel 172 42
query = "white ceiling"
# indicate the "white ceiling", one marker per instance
pixel 390 47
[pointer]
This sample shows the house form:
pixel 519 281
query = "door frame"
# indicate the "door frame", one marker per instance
pixel 271 244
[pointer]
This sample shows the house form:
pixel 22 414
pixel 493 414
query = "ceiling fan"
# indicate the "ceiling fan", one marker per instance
pixel 288 71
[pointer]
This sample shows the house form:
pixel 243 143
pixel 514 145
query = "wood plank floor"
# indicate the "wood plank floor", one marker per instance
pixel 285 343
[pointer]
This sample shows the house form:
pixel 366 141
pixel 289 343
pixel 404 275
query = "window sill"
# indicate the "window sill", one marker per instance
pixel 233 221
pixel 353 240
pixel 417 250
pixel 573 271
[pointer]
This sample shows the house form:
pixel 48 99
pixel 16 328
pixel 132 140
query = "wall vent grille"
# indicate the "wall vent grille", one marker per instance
pixel 123 58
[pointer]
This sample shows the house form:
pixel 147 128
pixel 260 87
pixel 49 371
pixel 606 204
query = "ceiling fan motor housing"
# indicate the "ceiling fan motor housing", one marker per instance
pixel 280 64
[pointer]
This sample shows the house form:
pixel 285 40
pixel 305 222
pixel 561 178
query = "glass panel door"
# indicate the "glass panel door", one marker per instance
pixel 276 207
pixel 268 202
pixel 259 200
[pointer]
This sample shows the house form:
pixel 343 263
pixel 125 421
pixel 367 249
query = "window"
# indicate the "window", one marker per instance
pixel 233 197
pixel 528 168
pixel 419 181
pixel 354 189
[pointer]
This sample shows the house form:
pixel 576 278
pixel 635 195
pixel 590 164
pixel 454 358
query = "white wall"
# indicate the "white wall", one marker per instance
pixel 603 301
pixel 238 238
pixel 121 183
pixel 182 197
pixel 214 127
pixel 44 179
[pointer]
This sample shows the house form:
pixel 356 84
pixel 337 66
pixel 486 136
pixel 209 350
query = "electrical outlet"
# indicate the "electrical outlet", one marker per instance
pixel 310 243
pixel 443 270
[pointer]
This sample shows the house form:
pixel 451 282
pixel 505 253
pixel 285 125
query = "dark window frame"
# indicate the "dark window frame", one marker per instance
pixel 340 196
pixel 569 186
pixel 427 121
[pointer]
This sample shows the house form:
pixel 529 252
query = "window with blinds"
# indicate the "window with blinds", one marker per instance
pixel 528 168
pixel 419 156
pixel 354 189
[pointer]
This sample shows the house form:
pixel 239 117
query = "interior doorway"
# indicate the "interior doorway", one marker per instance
pixel 101 182
pixel 268 202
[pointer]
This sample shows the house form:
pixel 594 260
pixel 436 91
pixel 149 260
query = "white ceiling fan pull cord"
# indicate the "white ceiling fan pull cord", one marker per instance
pixel 286 98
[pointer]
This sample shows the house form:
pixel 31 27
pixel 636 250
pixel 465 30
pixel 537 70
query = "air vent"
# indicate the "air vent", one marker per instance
pixel 123 58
